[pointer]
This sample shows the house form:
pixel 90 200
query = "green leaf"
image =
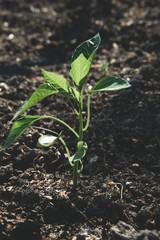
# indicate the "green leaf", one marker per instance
pixel 87 48
pixel 40 93
pixel 74 93
pixel 80 153
pixel 47 140
pixel 79 70
pixel 19 127
pixel 57 81
pixel 109 84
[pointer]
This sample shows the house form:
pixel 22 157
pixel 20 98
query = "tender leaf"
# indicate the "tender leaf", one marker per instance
pixel 57 81
pixel 79 70
pixel 74 93
pixel 46 140
pixel 87 48
pixel 40 93
pixel 109 84
pixel 19 127
pixel 80 153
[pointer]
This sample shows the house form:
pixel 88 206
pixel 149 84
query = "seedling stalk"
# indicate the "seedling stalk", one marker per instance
pixel 80 66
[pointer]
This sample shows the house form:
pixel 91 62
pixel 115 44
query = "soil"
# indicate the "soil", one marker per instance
pixel 118 193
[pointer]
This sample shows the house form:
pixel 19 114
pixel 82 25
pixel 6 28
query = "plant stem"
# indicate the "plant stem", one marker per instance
pixel 45 129
pixel 80 116
pixel 65 124
pixel 65 146
pixel 75 174
pixel 88 113
pixel 75 167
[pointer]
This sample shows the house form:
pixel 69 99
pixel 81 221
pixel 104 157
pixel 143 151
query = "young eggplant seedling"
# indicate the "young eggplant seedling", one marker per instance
pixel 80 66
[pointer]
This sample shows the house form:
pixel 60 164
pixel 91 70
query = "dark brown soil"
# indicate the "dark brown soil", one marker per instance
pixel 36 197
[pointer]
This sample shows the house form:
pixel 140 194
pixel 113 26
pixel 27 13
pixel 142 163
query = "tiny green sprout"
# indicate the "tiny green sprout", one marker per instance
pixel 104 64
pixel 73 90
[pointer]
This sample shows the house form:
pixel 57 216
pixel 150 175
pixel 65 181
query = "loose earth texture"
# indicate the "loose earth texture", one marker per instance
pixel 118 195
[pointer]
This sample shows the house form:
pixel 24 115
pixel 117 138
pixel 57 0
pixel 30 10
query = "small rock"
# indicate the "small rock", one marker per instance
pixel 126 70
pixel 3 86
pixel 135 165
pixel 123 231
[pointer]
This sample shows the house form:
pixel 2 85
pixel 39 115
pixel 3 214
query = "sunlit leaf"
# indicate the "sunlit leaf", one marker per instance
pixel 79 70
pixel 59 82
pixel 110 83
pixel 87 48
pixel 19 127
pixel 40 93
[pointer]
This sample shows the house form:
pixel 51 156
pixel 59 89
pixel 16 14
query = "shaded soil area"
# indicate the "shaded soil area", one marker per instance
pixel 118 194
